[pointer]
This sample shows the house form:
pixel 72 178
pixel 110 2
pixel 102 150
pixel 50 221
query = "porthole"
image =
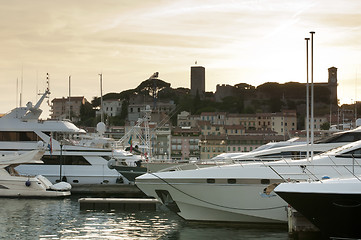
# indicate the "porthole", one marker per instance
pixel 211 180
pixel 75 181
pixel 265 181
pixel 106 181
pixel 231 181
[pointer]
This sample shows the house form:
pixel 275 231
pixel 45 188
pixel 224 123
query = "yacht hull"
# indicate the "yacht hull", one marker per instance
pixel 219 203
pixel 333 206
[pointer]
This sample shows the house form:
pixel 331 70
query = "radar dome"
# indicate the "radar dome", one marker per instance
pixel 101 127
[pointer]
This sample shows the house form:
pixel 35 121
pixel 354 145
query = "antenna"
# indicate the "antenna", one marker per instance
pixel 21 86
pixel 17 90
pixel 69 97
pixel 101 98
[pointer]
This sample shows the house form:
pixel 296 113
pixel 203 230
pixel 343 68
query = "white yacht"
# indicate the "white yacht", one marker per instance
pixel 333 205
pixel 256 153
pixel 74 161
pixel 298 150
pixel 14 185
pixel 238 192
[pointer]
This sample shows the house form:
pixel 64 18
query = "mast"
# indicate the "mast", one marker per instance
pixel 312 98
pixel 307 103
pixel 101 98
pixel 69 98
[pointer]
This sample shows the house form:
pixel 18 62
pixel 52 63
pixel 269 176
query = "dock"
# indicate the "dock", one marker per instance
pixel 123 204
pixel 107 190
pixel 300 228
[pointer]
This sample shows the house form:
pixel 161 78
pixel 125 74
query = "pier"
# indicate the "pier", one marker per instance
pixel 299 227
pixel 107 190
pixel 124 204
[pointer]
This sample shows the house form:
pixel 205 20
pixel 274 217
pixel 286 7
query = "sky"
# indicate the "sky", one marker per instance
pixel 237 41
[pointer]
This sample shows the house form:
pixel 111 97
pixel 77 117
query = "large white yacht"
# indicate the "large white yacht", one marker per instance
pixel 237 192
pixel 13 184
pixel 65 159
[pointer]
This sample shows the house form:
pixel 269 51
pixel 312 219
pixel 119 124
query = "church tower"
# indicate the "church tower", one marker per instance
pixel 332 84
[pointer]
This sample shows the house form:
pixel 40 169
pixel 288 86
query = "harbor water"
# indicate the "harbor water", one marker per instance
pixel 63 219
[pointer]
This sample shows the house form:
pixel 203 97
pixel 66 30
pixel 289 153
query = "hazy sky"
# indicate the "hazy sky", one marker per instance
pixel 252 41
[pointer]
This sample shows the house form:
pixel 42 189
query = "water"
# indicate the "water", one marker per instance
pixel 62 219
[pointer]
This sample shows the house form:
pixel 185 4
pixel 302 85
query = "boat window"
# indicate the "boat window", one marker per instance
pixel 265 181
pixel 343 137
pixel 351 154
pixel 15 136
pixel 211 180
pixel 75 181
pixel 3 187
pixel 231 181
pixel 66 160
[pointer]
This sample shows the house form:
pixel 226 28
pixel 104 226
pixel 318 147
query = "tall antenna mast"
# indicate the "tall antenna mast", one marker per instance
pixel 17 91
pixel 21 87
pixel 101 98
pixel 69 97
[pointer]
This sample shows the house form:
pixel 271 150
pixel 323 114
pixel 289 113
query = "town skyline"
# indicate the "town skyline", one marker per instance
pixel 236 41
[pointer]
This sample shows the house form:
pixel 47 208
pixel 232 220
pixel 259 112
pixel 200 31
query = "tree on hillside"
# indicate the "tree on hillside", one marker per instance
pixel 270 89
pixel 151 87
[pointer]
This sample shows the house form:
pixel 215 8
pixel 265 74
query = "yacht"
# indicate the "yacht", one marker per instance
pixel 333 205
pixel 66 159
pixel 271 145
pixel 12 184
pixel 298 149
pixel 272 151
pixel 238 192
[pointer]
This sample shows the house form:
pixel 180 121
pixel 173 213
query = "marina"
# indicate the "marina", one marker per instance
pixel 137 142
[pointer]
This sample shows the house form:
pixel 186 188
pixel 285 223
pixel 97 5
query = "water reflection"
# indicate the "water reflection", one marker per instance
pixel 62 219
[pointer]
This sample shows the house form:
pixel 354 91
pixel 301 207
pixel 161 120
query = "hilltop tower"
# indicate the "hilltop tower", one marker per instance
pixel 332 84
pixel 198 81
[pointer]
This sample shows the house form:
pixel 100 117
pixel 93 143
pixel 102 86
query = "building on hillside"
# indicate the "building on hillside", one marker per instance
pixel 65 108
pixel 234 130
pixel 284 122
pixel 161 143
pixel 214 117
pixel 247 143
pixel 248 121
pixel 136 111
pixel 212 145
pixel 198 81
pixel 224 90
pixel 318 121
pixel 264 121
pixel 185 143
pixel 111 108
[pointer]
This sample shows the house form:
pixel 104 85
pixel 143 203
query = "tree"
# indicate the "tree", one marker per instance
pixel 325 126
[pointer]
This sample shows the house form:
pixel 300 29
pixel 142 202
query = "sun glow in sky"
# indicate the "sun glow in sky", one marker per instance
pixel 251 41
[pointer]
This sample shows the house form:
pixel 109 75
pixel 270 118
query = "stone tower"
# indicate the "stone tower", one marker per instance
pixel 198 81
pixel 332 84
